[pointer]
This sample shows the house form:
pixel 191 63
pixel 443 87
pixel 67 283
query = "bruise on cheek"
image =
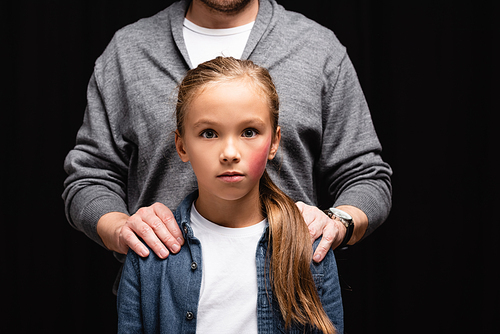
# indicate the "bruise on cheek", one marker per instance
pixel 258 159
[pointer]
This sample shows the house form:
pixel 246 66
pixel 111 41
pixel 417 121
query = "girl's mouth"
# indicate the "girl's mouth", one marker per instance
pixel 231 177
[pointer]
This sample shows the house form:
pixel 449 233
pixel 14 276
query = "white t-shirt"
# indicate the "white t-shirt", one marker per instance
pixel 228 296
pixel 204 44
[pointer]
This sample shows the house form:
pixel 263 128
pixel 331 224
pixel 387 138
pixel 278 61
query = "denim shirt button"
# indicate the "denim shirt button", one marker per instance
pixel 185 230
pixel 189 316
pixel 194 265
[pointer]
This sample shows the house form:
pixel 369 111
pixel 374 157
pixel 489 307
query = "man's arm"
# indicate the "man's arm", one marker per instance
pixel 96 189
pixel 358 181
pixel 97 169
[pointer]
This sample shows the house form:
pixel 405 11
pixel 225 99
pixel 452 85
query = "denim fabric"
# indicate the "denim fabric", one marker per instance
pixel 161 296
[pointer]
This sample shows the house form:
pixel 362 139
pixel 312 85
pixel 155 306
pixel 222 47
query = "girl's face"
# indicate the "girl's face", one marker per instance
pixel 228 139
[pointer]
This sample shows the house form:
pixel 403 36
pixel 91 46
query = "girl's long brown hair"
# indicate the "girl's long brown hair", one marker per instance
pixel 289 239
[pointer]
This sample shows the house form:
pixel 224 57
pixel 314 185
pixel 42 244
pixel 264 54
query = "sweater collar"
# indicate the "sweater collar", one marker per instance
pixel 263 20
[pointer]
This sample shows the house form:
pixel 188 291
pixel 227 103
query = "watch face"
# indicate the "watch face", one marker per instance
pixel 341 214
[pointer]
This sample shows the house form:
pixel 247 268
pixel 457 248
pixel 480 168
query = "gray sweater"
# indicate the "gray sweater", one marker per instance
pixel 125 157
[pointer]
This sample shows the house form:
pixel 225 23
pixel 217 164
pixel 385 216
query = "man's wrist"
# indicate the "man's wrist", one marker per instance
pixel 360 221
pixel 346 220
pixel 108 228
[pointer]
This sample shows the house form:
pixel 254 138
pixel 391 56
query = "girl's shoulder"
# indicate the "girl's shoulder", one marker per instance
pixel 327 267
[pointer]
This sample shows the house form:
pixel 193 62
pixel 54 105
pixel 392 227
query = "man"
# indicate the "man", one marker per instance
pixel 124 173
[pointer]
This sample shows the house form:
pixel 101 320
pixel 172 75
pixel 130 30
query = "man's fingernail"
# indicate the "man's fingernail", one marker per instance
pixel 163 253
pixel 316 257
pixel 179 240
pixel 143 252
pixel 175 248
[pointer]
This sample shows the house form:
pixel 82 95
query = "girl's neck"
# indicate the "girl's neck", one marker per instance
pixel 238 213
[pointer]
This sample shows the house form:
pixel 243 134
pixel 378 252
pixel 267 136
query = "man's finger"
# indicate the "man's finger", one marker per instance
pixel 141 224
pixel 170 232
pixel 130 240
pixel 146 232
pixel 325 244
pixel 316 227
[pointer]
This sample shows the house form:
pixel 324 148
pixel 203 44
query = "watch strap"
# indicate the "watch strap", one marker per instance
pixel 349 225
pixel 347 236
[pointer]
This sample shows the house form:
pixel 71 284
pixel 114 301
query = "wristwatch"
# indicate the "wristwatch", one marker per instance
pixel 345 219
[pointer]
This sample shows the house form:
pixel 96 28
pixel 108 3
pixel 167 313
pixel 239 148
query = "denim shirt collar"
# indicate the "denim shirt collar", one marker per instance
pixel 183 217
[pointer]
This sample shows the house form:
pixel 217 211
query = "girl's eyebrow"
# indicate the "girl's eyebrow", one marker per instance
pixel 256 121
pixel 203 123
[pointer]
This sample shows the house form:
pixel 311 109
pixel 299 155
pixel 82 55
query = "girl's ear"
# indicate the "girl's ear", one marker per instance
pixel 275 143
pixel 179 145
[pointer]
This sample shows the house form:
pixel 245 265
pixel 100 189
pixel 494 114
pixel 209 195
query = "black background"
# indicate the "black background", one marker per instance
pixel 428 69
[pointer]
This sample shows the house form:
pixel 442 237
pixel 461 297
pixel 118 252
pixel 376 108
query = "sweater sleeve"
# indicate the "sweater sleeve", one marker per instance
pixel 96 167
pixel 350 162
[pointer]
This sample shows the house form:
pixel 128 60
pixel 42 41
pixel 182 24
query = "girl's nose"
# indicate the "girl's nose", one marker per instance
pixel 230 152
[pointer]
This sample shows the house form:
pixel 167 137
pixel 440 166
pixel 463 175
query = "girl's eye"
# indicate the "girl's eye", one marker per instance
pixel 209 134
pixel 249 133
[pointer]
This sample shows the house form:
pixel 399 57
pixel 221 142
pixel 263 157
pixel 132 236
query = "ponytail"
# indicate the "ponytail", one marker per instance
pixel 291 277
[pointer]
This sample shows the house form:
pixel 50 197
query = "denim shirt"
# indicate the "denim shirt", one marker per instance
pixel 161 296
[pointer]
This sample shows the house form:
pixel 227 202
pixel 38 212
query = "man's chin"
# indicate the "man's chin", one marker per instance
pixel 226 6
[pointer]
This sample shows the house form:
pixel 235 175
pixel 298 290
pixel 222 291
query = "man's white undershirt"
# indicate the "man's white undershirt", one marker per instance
pixel 228 296
pixel 204 44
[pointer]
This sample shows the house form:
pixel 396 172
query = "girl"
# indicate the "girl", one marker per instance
pixel 247 266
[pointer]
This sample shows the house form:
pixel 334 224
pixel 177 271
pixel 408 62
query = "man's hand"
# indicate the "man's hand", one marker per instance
pixel 155 224
pixel 332 230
